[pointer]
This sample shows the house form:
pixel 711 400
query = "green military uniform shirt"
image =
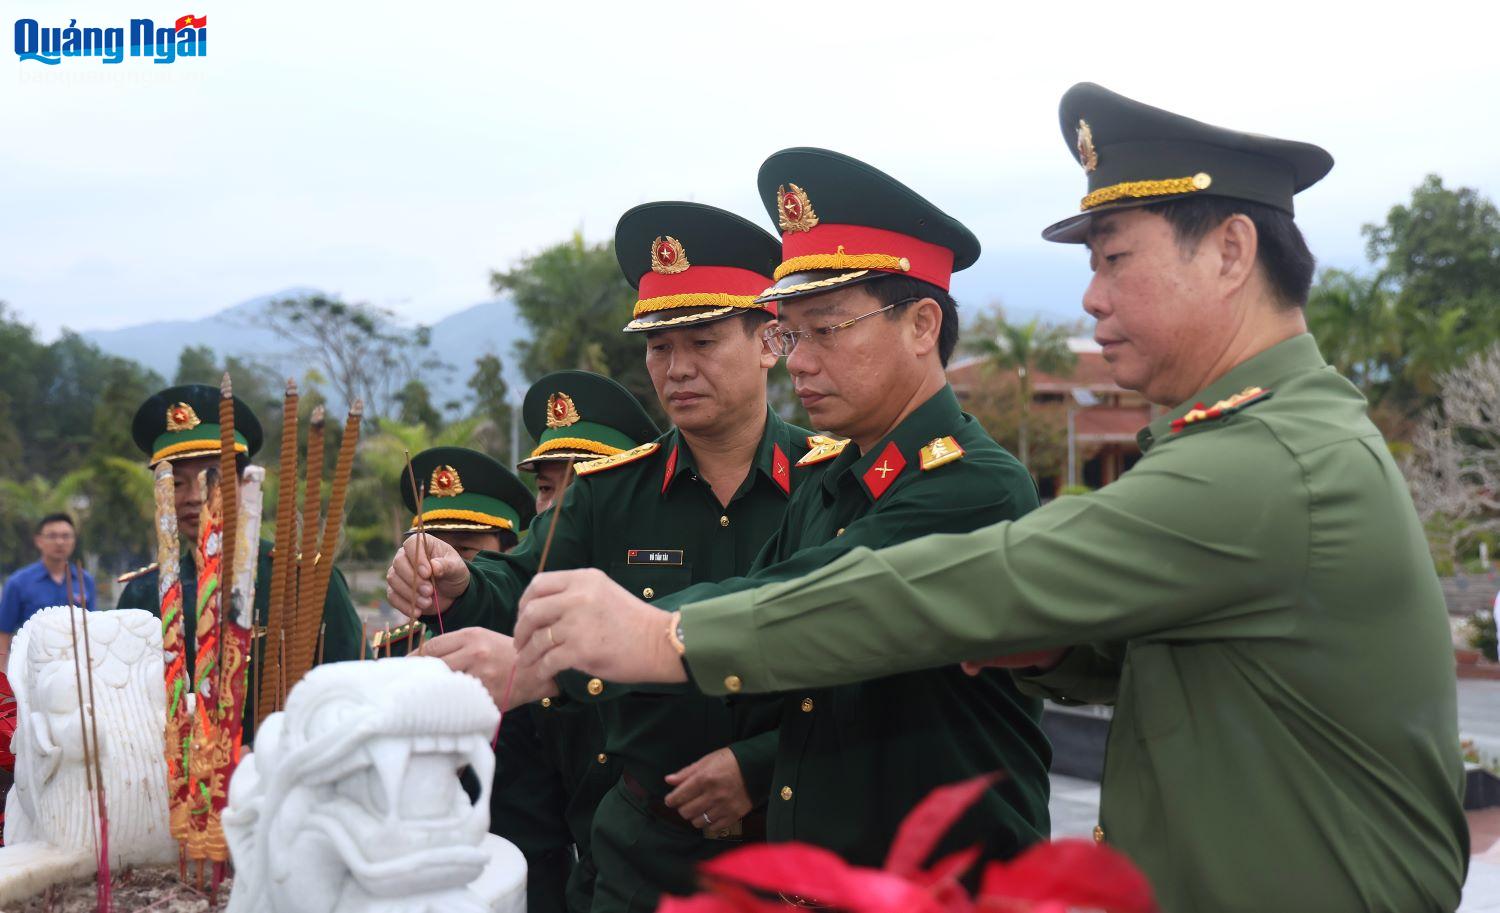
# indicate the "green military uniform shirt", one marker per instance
pixel 1268 626
pixel 654 526
pixel 342 636
pixel 854 759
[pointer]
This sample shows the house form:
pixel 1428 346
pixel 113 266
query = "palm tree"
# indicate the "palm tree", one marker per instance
pixel 1354 321
pixel 1027 348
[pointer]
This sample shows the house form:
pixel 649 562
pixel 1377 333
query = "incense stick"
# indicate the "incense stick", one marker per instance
pixel 88 657
pixel 541 565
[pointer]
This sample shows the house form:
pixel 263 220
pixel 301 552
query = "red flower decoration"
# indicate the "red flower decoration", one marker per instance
pixel 1047 878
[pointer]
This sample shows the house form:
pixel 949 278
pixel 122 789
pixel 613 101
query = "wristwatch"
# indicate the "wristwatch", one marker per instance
pixel 674 633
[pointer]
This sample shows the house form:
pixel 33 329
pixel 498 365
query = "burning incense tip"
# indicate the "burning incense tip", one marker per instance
pixel 225 388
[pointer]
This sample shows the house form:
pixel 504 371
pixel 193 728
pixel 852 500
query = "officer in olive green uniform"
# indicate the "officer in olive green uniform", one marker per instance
pixel 475 504
pixel 196 441
pixel 650 518
pixel 1255 596
pixel 570 735
pixel 867 264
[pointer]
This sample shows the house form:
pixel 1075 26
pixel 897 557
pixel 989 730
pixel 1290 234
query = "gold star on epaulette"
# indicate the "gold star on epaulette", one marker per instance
pixel 823 448
pixel 619 459
pixel 138 572
pixel 942 450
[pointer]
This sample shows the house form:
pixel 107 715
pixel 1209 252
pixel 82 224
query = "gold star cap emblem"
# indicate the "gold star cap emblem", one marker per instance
pixel 445 482
pixel 561 412
pixel 1088 157
pixel 667 256
pixel 794 211
pixel 181 417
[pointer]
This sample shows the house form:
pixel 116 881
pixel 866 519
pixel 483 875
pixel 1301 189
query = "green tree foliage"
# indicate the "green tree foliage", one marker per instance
pixel 493 408
pixel 574 300
pixel 363 350
pixel 414 406
pixel 1024 348
pixel 1430 302
pixel 65 444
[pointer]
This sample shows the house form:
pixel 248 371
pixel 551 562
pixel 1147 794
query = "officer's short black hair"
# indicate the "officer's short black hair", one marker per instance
pixel 1282 251
pixel 891 289
pixel 753 322
pixel 54 518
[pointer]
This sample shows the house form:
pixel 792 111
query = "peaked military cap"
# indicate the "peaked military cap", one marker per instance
pixel 843 221
pixel 182 422
pixel 692 264
pixel 464 489
pixel 1136 155
pixel 576 415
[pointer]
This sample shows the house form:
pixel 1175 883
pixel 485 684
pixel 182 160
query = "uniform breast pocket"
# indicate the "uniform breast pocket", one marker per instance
pixel 652 581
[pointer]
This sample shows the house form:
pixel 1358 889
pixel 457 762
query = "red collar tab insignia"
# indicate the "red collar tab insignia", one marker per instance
pixel 445 482
pixel 1088 157
pixel 561 412
pixel 824 448
pixel 1200 413
pixel 666 480
pixel 886 469
pixel 941 451
pixel 794 211
pixel 781 469
pixel 667 256
pixel 181 417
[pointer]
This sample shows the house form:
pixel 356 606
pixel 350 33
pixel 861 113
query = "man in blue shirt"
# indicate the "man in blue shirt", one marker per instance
pixel 37 586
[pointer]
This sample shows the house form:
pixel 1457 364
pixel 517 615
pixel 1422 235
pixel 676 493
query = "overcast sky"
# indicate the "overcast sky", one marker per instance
pixel 396 152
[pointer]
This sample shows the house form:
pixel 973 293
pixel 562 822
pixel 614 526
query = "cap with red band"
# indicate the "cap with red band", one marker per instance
pixel 692 264
pixel 843 221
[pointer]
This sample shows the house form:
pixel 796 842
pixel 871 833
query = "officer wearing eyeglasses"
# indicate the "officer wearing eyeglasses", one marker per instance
pixel 866 326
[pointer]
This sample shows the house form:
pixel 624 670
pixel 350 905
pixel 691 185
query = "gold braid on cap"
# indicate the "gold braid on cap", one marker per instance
pixel 841 260
pixel 1137 189
pixel 693 300
pixel 575 443
pixel 473 516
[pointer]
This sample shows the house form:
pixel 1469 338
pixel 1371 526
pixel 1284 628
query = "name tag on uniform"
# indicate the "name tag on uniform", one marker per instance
pixel 658 556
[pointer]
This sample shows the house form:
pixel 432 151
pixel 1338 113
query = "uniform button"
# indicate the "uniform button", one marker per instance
pixel 807 705
pixel 648 593
pixel 840 532
pixel 603 758
pixel 786 793
pixel 546 702
pixel 724 520
pixel 1098 834
pixel 596 686
pixel 732 682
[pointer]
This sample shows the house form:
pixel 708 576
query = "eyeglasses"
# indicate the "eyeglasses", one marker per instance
pixel 783 342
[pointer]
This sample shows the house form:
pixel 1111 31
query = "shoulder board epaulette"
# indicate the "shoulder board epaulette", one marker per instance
pixel 941 451
pixel 619 459
pixel 391 635
pixel 823 448
pixel 138 572
pixel 1241 400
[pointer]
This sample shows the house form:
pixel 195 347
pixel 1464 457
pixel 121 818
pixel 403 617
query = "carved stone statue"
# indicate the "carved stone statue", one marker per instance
pixel 50 802
pixel 352 801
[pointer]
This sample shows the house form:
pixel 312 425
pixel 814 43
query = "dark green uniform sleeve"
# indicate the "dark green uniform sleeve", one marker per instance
pixel 1184 541
pixel 140 593
pixel 343 638
pixel 757 759
pixel 496 581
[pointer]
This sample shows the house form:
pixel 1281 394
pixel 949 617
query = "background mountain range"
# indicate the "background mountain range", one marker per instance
pixel 242 330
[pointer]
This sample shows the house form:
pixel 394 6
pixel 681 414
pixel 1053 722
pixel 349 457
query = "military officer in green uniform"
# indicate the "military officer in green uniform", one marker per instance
pixel 695 505
pixel 616 423
pixel 192 446
pixel 867 326
pixel 570 735
pixel 1254 597
pixel 474 504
